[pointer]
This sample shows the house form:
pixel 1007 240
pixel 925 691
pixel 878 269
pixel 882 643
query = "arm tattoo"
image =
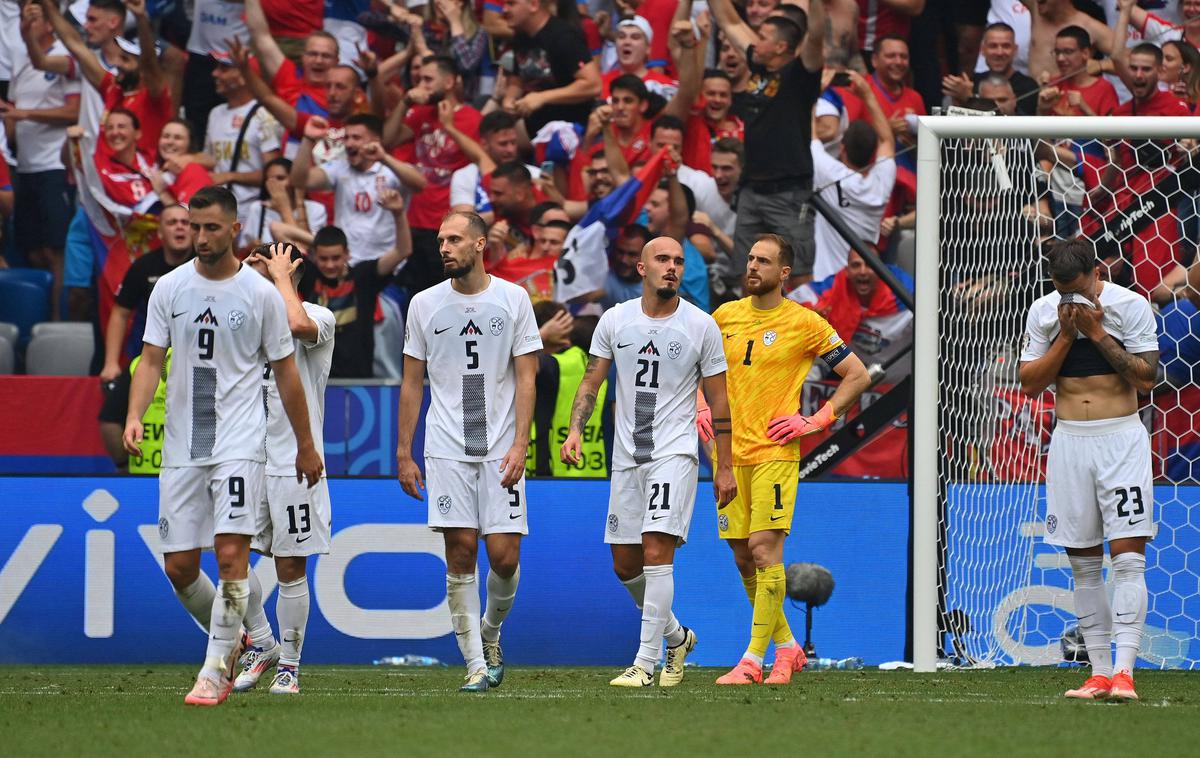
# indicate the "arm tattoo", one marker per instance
pixel 1132 368
pixel 581 411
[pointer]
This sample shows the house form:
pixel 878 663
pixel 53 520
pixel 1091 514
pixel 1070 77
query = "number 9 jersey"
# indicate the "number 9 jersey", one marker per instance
pixel 468 343
pixel 659 364
pixel 222 332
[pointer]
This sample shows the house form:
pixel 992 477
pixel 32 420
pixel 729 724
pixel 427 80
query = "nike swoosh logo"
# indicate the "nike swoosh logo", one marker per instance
pixel 514 515
pixel 299 540
pixel 439 331
pixel 730 336
pixel 177 315
pixel 776 518
pixel 620 346
pixel 1135 523
pixel 231 518
pixel 659 517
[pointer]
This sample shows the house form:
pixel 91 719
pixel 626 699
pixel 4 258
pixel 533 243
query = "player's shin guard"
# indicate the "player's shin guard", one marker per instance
pixel 656 611
pixel 1128 607
pixel 291 607
pixel 197 599
pixel 782 632
pixel 1091 607
pixel 228 610
pixel 768 604
pixel 501 592
pixel 636 587
pixel 256 622
pixel 462 593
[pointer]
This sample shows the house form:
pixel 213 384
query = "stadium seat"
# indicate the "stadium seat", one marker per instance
pixel 23 303
pixel 9 332
pixel 8 352
pixel 62 349
pixel 34 275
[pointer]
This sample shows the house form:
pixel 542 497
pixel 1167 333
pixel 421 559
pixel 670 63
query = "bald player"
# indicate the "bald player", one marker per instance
pixel 663 348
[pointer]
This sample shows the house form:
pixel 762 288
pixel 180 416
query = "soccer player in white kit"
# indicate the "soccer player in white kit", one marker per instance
pixel 663 348
pixel 477 336
pixel 1096 342
pixel 296 519
pixel 223 320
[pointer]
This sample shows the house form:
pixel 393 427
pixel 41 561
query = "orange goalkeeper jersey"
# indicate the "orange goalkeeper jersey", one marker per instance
pixel 769 354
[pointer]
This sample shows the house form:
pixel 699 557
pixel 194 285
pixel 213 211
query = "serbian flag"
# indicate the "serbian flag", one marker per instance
pixel 835 299
pixel 583 264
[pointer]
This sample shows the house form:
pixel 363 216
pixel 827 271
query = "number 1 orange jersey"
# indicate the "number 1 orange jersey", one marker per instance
pixel 769 354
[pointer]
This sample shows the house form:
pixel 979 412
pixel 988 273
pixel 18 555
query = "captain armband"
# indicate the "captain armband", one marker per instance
pixel 836 355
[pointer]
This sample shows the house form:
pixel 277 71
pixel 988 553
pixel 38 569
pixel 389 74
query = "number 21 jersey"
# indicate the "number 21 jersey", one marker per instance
pixel 468 343
pixel 221 332
pixel 659 365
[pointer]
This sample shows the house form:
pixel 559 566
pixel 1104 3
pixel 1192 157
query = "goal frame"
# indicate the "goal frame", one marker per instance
pixel 930 133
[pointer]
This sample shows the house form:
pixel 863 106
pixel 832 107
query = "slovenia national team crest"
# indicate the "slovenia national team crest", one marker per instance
pixel 1051 523
pixel 723 522
pixel 444 503
pixel 1024 342
pixel 769 338
pixel 673 350
pixel 497 326
pixel 612 523
pixel 164 528
pixel 236 319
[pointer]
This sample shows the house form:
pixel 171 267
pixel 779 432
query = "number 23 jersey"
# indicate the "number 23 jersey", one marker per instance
pixel 221 332
pixel 468 343
pixel 659 365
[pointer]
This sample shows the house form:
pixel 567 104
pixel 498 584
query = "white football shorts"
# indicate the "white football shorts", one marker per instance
pixel 468 495
pixel 1099 484
pixel 197 502
pixel 296 520
pixel 658 496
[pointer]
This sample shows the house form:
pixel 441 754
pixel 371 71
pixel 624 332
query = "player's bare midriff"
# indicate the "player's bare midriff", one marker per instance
pixel 1093 398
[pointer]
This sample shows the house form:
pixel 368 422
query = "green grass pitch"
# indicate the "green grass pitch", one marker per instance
pixel 138 710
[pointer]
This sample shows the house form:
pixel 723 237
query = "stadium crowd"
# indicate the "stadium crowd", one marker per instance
pixel 578 131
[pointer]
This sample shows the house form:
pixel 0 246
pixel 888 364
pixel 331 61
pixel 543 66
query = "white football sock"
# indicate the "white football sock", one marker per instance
pixel 462 593
pixel 291 608
pixel 197 599
pixel 228 610
pixel 637 590
pixel 1128 607
pixel 656 612
pixel 256 622
pixel 500 594
pixel 1091 607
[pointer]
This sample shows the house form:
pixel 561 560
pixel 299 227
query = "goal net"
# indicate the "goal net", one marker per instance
pixel 992 192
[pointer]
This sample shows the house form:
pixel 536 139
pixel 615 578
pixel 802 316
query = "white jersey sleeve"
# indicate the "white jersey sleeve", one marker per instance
pixel 526 337
pixel 1139 331
pixel 414 331
pixel 1038 333
pixel 602 338
pixel 158 316
pixel 462 185
pixel 712 351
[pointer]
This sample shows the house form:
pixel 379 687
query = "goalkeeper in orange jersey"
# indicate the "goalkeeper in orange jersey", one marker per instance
pixel 770 343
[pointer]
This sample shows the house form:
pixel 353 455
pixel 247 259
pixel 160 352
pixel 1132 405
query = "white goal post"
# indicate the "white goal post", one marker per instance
pixel 994 143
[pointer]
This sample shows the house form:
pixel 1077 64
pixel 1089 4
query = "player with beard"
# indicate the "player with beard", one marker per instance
pixel 770 344
pixel 663 348
pixel 478 336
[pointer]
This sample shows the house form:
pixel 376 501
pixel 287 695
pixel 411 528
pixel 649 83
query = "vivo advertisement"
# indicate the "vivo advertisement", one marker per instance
pixel 81 578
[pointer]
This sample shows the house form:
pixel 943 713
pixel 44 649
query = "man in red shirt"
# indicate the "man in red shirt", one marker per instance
pixel 634 36
pixel 138 86
pixel 436 154
pixel 301 86
pixel 1077 93
pixel 1137 166
pixel 712 119
pixel 898 101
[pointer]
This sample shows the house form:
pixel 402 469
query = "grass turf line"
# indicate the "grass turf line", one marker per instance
pixel 131 710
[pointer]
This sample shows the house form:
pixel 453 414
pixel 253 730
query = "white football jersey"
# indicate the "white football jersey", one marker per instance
pixel 221 332
pixel 860 201
pixel 262 136
pixel 1127 317
pixel 313 361
pixel 370 228
pixel 659 362
pixel 468 343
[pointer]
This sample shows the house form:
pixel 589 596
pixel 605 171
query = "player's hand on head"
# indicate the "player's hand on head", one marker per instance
pixel 409 475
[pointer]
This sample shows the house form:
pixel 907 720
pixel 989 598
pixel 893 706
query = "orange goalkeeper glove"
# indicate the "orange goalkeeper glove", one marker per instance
pixel 784 429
